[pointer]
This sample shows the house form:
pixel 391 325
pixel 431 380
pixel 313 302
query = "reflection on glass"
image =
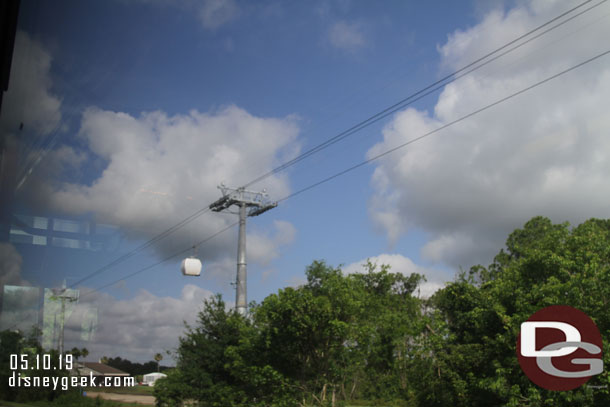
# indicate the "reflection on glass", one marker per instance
pixel 20 307
pixel 59 304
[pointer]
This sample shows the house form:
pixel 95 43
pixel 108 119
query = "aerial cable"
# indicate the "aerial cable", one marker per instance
pixel 181 252
pixel 424 92
pixel 376 157
pixel 142 246
pixel 436 130
pixel 465 70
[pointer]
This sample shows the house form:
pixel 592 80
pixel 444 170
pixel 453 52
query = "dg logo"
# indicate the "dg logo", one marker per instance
pixel 560 348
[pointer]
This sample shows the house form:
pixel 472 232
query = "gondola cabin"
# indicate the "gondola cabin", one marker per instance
pixel 191 266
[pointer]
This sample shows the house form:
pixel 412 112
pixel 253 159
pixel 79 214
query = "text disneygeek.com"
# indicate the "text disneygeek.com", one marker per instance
pixel 65 382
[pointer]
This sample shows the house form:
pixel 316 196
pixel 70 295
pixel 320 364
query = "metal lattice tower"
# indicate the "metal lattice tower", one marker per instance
pixel 63 294
pixel 250 203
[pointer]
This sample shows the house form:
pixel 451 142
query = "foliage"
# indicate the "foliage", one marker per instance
pixel 171 391
pixel 133 368
pixel 158 358
pixel 334 339
pixel 477 317
pixel 342 338
pixel 14 343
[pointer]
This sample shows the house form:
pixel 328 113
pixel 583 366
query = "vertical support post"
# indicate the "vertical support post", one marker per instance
pixel 63 320
pixel 250 203
pixel 240 300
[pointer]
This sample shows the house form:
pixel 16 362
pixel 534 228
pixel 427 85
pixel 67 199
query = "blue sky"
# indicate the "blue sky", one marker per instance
pixel 150 104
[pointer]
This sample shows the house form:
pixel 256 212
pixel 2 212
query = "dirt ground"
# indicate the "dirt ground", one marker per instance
pixel 127 398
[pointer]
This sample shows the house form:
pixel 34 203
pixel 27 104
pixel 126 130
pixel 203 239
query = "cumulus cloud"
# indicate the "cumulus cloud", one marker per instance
pixel 296 281
pixel 136 328
pixel 29 99
pixel 346 36
pixel 10 265
pixel 19 308
pixel 214 13
pixel 211 13
pixel 159 169
pixel 398 263
pixel 19 300
pixel 263 248
pixel 544 153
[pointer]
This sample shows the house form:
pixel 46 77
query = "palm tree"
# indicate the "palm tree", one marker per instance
pixel 158 358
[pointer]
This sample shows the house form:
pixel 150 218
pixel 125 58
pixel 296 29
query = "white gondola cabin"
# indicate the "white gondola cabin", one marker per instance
pixel 191 266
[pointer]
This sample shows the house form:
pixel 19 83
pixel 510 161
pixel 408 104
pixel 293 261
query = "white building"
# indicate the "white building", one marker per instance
pixel 151 378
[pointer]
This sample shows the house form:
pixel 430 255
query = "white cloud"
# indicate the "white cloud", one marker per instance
pixel 543 153
pixel 28 99
pixel 263 248
pixel 160 169
pixel 19 305
pixel 214 13
pixel 400 264
pixel 346 36
pixel 10 265
pixel 19 308
pixel 296 281
pixel 211 13
pixel 136 328
pixel 222 270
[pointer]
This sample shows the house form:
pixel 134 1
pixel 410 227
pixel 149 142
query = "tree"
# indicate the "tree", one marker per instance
pixel 15 343
pixel 132 368
pixel 171 391
pixel 158 359
pixel 477 318
pixel 206 357
pixel 333 339
pixel 339 338
pixel 11 343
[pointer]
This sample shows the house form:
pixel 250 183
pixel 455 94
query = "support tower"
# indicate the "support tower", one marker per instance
pixel 250 203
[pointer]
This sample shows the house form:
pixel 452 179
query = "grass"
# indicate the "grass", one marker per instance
pixel 13 404
pixel 141 390
pixel 103 403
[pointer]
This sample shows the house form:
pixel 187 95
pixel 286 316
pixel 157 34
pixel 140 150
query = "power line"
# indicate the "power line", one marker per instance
pixel 181 252
pixel 142 246
pixel 383 154
pixel 465 70
pixel 424 92
pixel 398 147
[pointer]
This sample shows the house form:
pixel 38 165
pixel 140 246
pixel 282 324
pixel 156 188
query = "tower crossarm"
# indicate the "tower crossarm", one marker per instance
pixel 257 200
pixel 261 209
pixel 251 203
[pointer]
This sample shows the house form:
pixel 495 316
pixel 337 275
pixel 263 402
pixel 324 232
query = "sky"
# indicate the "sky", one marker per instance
pixel 134 111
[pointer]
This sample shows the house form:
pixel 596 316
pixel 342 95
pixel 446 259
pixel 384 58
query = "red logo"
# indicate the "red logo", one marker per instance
pixel 560 348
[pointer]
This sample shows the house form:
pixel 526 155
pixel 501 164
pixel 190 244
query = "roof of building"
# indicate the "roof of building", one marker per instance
pixel 155 374
pixel 103 369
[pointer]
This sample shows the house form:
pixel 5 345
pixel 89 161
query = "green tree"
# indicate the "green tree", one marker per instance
pixel 334 339
pixel 477 318
pixel 158 359
pixel 11 343
pixel 205 361
pixel 172 391
pixel 14 343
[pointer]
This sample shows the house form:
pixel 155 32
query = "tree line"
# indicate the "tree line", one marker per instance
pixel 134 368
pixel 22 358
pixel 367 339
